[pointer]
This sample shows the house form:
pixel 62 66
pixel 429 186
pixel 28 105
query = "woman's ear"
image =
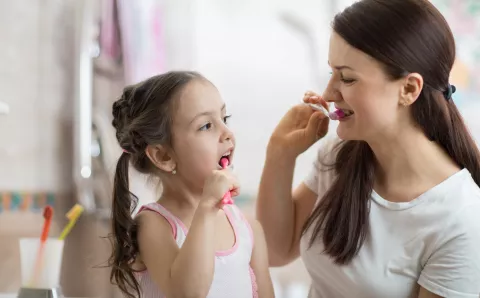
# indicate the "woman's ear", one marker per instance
pixel 161 158
pixel 411 88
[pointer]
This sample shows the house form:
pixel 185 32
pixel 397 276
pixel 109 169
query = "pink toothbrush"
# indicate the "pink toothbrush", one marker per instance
pixel 227 198
pixel 338 114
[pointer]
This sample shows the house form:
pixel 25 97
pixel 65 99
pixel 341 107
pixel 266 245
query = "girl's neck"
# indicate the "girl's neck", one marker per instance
pixel 179 197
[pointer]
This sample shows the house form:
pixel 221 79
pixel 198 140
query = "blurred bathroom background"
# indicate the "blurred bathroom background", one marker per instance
pixel 63 63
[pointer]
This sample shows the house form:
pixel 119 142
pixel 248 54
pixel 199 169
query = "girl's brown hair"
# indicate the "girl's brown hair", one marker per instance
pixel 141 117
pixel 405 36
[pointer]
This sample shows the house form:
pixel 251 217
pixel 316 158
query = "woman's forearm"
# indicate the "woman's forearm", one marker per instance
pixel 275 208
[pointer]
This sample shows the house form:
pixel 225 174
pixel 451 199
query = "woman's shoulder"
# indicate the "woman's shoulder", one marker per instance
pixel 465 205
pixel 456 247
pixel 466 189
pixel 459 210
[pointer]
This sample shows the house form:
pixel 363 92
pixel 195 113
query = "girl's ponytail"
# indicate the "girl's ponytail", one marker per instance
pixel 124 231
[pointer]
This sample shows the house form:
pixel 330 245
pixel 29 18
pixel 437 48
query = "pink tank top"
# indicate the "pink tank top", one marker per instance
pixel 233 276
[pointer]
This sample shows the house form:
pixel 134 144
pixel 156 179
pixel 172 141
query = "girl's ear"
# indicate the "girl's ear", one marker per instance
pixel 161 158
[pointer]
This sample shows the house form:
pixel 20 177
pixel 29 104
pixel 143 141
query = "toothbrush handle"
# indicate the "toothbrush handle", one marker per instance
pixel 227 199
pixel 319 108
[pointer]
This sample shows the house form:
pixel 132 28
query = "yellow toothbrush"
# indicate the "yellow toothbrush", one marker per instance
pixel 72 216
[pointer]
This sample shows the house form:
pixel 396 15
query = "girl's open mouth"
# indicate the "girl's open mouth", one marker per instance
pixel 226 156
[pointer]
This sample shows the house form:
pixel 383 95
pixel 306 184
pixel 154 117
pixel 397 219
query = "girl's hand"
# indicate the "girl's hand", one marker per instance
pixel 301 127
pixel 217 185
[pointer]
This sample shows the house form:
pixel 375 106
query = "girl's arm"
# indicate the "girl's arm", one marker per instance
pixel 179 272
pixel 186 271
pixel 259 262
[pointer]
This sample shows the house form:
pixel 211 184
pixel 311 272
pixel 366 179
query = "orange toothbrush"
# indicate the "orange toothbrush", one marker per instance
pixel 47 215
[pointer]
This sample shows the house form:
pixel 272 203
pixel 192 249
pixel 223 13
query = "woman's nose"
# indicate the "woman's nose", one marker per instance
pixel 331 94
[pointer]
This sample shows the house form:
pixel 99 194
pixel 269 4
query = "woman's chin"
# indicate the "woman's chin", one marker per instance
pixel 343 133
pixel 346 133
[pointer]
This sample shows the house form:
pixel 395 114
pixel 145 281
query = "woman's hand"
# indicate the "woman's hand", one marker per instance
pixel 300 127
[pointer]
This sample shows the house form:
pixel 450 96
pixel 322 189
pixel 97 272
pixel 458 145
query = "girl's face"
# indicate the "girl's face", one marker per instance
pixel 200 133
pixel 360 86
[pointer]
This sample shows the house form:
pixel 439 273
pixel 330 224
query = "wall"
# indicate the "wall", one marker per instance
pixel 464 19
pixel 261 67
pixel 246 51
pixel 35 81
pixel 36 146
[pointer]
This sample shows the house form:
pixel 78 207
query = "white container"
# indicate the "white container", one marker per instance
pixel 48 275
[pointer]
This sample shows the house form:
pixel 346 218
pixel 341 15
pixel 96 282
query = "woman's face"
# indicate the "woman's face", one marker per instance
pixel 360 86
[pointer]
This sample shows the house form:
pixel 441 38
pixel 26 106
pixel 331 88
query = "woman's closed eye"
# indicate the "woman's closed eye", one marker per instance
pixel 346 80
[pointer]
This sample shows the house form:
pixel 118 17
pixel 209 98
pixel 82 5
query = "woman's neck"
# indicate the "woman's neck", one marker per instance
pixel 410 164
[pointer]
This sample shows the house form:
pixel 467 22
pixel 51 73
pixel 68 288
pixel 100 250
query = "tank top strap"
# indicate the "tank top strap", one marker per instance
pixel 179 230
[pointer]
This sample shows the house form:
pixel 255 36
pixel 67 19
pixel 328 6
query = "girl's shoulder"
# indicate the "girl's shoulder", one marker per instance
pixel 154 216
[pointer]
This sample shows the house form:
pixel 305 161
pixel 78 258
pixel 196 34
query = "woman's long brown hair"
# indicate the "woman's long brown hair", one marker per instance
pixel 405 36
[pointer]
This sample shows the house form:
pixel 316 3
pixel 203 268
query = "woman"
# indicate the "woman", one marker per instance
pixel 392 210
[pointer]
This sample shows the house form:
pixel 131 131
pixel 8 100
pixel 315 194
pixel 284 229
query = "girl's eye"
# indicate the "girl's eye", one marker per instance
pixel 206 126
pixel 225 119
pixel 209 125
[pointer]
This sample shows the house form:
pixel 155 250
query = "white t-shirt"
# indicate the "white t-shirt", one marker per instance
pixel 433 241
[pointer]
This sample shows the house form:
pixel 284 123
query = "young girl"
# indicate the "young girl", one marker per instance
pixel 187 244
